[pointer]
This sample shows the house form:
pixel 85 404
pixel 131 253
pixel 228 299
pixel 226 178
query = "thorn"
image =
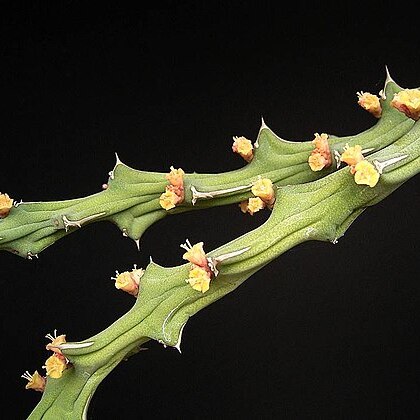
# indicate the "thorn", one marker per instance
pixel 78 223
pixel 388 78
pixel 151 260
pixel 67 346
pixel 178 343
pixel 124 232
pixel 365 151
pixel 118 160
pixel 263 124
pixel 137 241
pixel 380 166
pixel 206 195
pixel 213 261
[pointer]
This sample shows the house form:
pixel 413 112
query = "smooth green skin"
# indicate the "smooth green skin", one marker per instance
pixel 131 200
pixel 319 210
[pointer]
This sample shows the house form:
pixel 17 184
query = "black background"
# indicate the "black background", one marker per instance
pixel 325 331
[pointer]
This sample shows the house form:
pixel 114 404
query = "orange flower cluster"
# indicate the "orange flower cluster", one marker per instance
pixel 200 273
pixel 320 157
pixel 55 365
pixel 174 192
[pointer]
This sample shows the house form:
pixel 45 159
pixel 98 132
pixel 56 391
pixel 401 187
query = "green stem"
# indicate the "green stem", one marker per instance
pixel 131 200
pixel 319 210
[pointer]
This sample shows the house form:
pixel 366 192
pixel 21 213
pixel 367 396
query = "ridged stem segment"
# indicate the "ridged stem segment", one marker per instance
pixel 131 199
pixel 319 210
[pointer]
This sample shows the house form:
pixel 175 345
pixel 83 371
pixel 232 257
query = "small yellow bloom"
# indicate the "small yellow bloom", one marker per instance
pixel 352 155
pixel 129 281
pixel 263 188
pixel 169 199
pixel 35 381
pixel 55 341
pixel 366 173
pixel 243 147
pixel 370 103
pixel 408 102
pixel 317 161
pixel 6 203
pixel 55 366
pixel 199 279
pixel 176 177
pixel 255 204
pixel 195 254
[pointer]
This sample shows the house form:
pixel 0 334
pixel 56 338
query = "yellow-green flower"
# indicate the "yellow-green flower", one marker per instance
pixel 365 173
pixel 199 279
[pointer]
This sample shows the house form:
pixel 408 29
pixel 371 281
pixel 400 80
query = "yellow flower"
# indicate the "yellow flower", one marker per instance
pixel 317 161
pixel 169 199
pixel 199 279
pixel 243 147
pixel 352 155
pixel 255 204
pixel 263 188
pixel 55 341
pixel 6 203
pixel 408 102
pixel 195 254
pixel 129 281
pixel 370 103
pixel 35 381
pixel 176 177
pixel 174 193
pixel 366 173
pixel 320 157
pixel 55 366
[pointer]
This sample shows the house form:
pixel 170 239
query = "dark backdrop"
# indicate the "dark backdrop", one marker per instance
pixel 325 331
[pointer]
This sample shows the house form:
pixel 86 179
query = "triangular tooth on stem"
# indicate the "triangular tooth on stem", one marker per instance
pixel 388 78
pixel 118 160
